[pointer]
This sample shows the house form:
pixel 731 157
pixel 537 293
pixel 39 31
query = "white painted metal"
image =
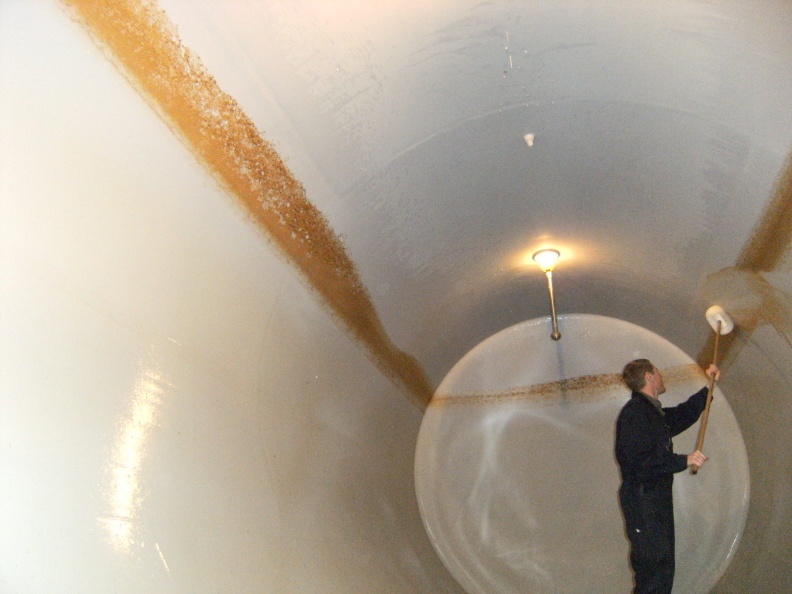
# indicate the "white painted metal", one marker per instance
pixel 178 413
pixel 519 492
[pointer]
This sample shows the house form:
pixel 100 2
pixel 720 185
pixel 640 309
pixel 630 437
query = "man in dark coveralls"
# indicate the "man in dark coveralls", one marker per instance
pixel 647 462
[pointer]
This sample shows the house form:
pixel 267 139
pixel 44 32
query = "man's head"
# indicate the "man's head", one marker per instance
pixel 641 375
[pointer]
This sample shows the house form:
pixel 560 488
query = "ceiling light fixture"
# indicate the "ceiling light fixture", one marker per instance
pixel 547 259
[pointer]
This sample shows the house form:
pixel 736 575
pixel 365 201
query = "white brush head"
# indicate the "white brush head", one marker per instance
pixel 716 314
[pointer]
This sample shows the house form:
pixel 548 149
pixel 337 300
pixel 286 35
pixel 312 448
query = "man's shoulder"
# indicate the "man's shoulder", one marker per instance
pixel 635 399
pixel 636 404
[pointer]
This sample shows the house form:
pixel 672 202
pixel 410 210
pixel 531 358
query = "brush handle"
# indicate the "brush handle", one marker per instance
pixel 703 426
pixel 705 415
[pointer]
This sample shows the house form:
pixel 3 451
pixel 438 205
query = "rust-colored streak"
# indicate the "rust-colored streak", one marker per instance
pixel 746 296
pixel 725 346
pixel 772 236
pixel 751 301
pixel 145 45
pixel 585 388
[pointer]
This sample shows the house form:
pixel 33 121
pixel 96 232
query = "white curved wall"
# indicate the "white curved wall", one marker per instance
pixel 180 413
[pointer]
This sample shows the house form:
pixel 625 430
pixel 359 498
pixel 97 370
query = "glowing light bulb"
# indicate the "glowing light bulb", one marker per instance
pixel 546 259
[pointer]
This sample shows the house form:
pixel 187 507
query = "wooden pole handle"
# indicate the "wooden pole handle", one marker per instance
pixel 705 415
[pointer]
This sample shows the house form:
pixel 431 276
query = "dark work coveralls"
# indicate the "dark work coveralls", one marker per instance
pixel 647 462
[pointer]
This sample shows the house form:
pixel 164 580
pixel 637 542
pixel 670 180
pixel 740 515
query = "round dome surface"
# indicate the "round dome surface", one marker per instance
pixel 515 471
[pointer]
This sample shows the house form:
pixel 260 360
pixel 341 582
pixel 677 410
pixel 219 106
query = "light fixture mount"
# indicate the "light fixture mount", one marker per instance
pixel 546 259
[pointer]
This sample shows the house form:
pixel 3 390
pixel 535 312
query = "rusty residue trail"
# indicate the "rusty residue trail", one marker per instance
pixel 147 48
pixel 751 301
pixel 771 238
pixel 742 291
pixel 579 389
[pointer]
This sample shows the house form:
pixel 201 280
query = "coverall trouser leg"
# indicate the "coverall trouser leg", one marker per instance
pixel 650 528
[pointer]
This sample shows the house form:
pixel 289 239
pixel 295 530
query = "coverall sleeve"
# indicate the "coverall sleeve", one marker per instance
pixel 679 418
pixel 642 448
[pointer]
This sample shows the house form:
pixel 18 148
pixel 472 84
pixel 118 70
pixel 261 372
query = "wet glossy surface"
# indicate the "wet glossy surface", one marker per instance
pixel 178 412
pixel 515 474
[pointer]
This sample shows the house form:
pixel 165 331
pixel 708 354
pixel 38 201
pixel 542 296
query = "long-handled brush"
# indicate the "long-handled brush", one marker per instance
pixel 722 324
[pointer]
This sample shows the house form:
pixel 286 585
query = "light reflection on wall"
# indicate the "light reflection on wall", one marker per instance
pixel 121 489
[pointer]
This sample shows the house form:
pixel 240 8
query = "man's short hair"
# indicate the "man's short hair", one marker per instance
pixel 634 373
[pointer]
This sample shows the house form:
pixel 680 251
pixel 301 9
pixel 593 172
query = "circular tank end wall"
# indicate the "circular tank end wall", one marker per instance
pixel 515 472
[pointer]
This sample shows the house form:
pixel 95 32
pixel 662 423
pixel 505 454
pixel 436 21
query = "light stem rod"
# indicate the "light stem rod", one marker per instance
pixel 556 335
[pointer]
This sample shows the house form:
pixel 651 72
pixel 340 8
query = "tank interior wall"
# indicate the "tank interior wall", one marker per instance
pixel 179 412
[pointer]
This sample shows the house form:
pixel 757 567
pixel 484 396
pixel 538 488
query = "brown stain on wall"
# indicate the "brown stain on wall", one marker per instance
pixel 749 298
pixel 584 388
pixel 145 45
pixel 771 238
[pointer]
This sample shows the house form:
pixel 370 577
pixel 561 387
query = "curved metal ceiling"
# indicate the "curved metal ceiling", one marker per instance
pixel 660 133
